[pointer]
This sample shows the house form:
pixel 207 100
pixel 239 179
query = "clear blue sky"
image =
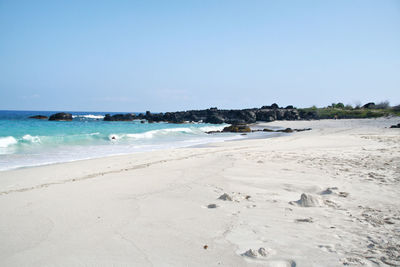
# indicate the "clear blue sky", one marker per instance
pixel 177 55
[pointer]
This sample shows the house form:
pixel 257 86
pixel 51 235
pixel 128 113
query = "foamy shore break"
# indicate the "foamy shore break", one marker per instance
pixel 326 197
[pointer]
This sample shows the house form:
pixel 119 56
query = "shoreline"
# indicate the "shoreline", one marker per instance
pixel 205 144
pixel 259 125
pixel 153 208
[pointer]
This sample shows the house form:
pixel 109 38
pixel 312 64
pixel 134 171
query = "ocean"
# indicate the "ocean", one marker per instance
pixel 28 142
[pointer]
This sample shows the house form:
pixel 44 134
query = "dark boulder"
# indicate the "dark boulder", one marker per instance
pixel 369 105
pixel 239 128
pixel 215 119
pixel 302 130
pixel 291 114
pixel 274 106
pixel 39 117
pixel 236 121
pixel 120 117
pixel 308 114
pixel 287 130
pixel 62 116
pixel 157 117
pixel 395 126
pixel 280 114
pixel 266 115
pixel 268 130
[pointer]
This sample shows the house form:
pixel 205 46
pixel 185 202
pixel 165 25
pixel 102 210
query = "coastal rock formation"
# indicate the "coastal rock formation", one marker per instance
pixel 39 117
pixel 369 105
pixel 219 116
pixel 62 116
pixel 287 130
pixel 233 116
pixel 244 129
pixel 120 117
pixel 395 126
pixel 237 129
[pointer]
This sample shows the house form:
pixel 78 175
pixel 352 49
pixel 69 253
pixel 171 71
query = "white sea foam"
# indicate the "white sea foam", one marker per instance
pixel 151 134
pixel 212 128
pixel 89 116
pixel 91 134
pixel 30 138
pixel 7 141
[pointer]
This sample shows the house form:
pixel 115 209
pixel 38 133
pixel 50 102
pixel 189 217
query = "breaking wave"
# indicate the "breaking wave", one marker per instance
pixel 30 138
pixel 89 116
pixel 7 141
pixel 152 134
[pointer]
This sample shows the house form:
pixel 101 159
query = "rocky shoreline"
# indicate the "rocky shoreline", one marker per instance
pixel 243 128
pixel 216 116
pixel 211 115
pixel 238 118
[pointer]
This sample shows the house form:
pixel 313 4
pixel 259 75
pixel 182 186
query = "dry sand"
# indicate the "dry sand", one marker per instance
pixel 326 197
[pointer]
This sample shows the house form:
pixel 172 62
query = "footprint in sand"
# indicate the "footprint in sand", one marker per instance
pixel 260 253
pixel 328 248
pixel 263 254
pixel 352 261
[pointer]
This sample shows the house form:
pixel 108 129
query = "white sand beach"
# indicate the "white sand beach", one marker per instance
pixel 155 208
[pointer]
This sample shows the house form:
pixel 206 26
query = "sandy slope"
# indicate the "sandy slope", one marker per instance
pixel 150 209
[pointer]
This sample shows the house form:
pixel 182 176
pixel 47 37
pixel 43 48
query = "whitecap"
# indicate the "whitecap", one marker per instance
pixel 30 138
pixel 151 134
pixel 7 141
pixel 89 116
pixel 212 128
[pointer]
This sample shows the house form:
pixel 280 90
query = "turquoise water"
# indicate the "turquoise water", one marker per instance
pixel 30 142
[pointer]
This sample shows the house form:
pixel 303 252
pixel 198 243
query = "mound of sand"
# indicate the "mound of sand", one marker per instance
pixel 308 200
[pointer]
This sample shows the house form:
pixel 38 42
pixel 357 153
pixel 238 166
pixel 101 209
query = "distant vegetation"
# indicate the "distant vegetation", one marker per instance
pixel 341 111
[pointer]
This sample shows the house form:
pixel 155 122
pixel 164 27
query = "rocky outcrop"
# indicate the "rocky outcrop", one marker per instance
pixel 237 129
pixel 120 117
pixel 62 116
pixel 39 117
pixel 369 105
pixel 395 126
pixel 245 129
pixel 287 130
pixel 308 114
pixel 218 116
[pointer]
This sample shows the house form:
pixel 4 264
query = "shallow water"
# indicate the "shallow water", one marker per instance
pixel 31 142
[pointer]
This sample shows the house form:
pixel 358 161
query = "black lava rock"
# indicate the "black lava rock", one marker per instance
pixel 62 116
